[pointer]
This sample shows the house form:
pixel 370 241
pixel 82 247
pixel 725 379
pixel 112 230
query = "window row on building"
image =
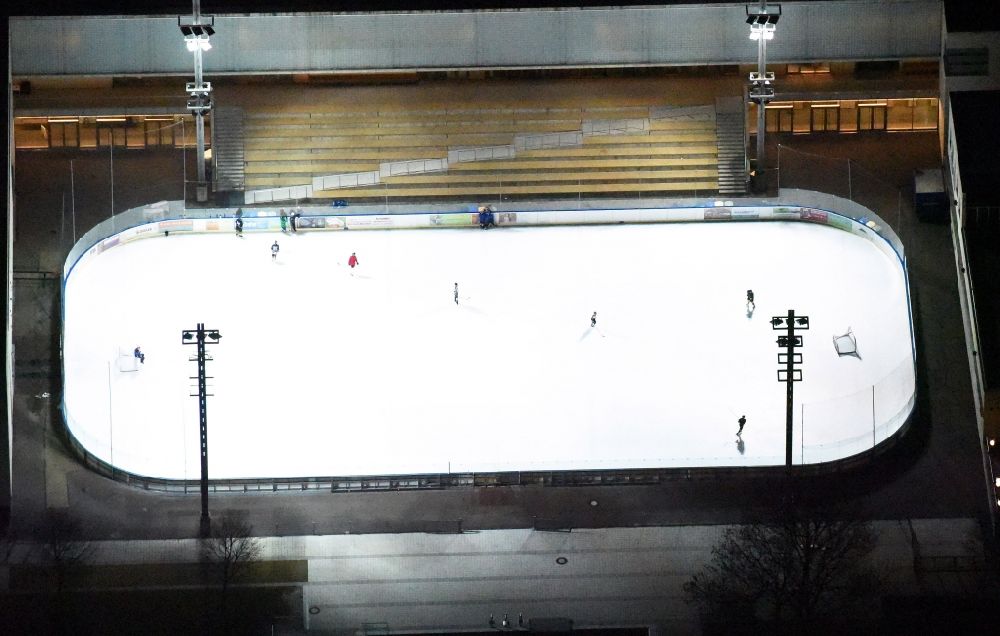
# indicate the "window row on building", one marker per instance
pixel 124 131
pixel 848 116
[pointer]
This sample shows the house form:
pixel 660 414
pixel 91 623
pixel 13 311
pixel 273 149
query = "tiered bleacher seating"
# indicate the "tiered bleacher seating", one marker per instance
pixel 617 149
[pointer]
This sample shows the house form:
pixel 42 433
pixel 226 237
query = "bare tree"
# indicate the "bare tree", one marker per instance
pixel 64 545
pixel 230 549
pixel 799 573
pixel 8 544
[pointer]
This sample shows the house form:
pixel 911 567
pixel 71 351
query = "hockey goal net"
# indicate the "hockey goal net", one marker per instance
pixel 126 361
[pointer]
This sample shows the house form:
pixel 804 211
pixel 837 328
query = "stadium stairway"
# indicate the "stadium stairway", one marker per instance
pixel 731 141
pixel 228 151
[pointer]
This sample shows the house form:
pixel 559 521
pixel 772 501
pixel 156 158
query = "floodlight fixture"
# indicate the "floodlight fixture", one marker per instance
pixel 196 42
pixel 758 31
pixel 199 104
pixel 785 341
pixel 198 88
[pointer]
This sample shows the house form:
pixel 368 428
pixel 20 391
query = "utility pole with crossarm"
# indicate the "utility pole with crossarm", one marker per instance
pixel 197 337
pixel 789 375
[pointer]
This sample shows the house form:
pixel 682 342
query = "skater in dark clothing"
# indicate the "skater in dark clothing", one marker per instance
pixel 353 260
pixel 742 421
pixel 593 319
pixel 274 251
pixel 239 227
pixel 750 304
pixel 291 221
pixel 139 354
pixel 456 293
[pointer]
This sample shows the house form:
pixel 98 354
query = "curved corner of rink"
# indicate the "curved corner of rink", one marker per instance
pixel 327 370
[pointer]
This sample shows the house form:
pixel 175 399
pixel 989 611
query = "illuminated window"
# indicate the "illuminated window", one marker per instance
pixel 808 69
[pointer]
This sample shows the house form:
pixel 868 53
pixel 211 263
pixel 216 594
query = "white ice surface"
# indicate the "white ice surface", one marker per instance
pixel 324 371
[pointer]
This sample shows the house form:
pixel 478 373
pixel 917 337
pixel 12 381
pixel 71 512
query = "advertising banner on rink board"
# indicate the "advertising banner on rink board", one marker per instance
pixel 839 222
pixel 791 214
pixel 260 223
pixel 143 231
pixel 105 245
pixel 320 223
pixel 177 225
pixel 369 221
pixel 732 214
pixel 455 220
pixel 813 215
pixel 718 214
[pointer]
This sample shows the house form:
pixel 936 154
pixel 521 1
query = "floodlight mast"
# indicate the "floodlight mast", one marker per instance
pixel 197 337
pixel 790 323
pixel 197 34
pixel 762 20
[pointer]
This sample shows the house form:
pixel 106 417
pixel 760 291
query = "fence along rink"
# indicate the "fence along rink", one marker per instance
pixel 813 448
pixel 877 412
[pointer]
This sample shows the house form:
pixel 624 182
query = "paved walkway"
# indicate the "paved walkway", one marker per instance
pixel 612 577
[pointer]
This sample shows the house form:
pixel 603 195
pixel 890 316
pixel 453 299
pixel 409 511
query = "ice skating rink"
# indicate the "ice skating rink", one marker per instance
pixel 325 371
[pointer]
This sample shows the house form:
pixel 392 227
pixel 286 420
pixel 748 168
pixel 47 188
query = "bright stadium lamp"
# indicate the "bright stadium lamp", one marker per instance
pixel 196 42
pixel 757 31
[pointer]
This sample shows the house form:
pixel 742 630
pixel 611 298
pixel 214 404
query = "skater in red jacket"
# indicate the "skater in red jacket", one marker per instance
pixel 353 260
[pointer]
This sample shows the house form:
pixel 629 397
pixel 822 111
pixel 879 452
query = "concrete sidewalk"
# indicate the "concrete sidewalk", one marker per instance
pixel 418 582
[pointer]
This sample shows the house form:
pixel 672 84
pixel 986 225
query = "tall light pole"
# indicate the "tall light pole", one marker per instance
pixel 197 30
pixel 762 20
pixel 197 337
pixel 789 323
